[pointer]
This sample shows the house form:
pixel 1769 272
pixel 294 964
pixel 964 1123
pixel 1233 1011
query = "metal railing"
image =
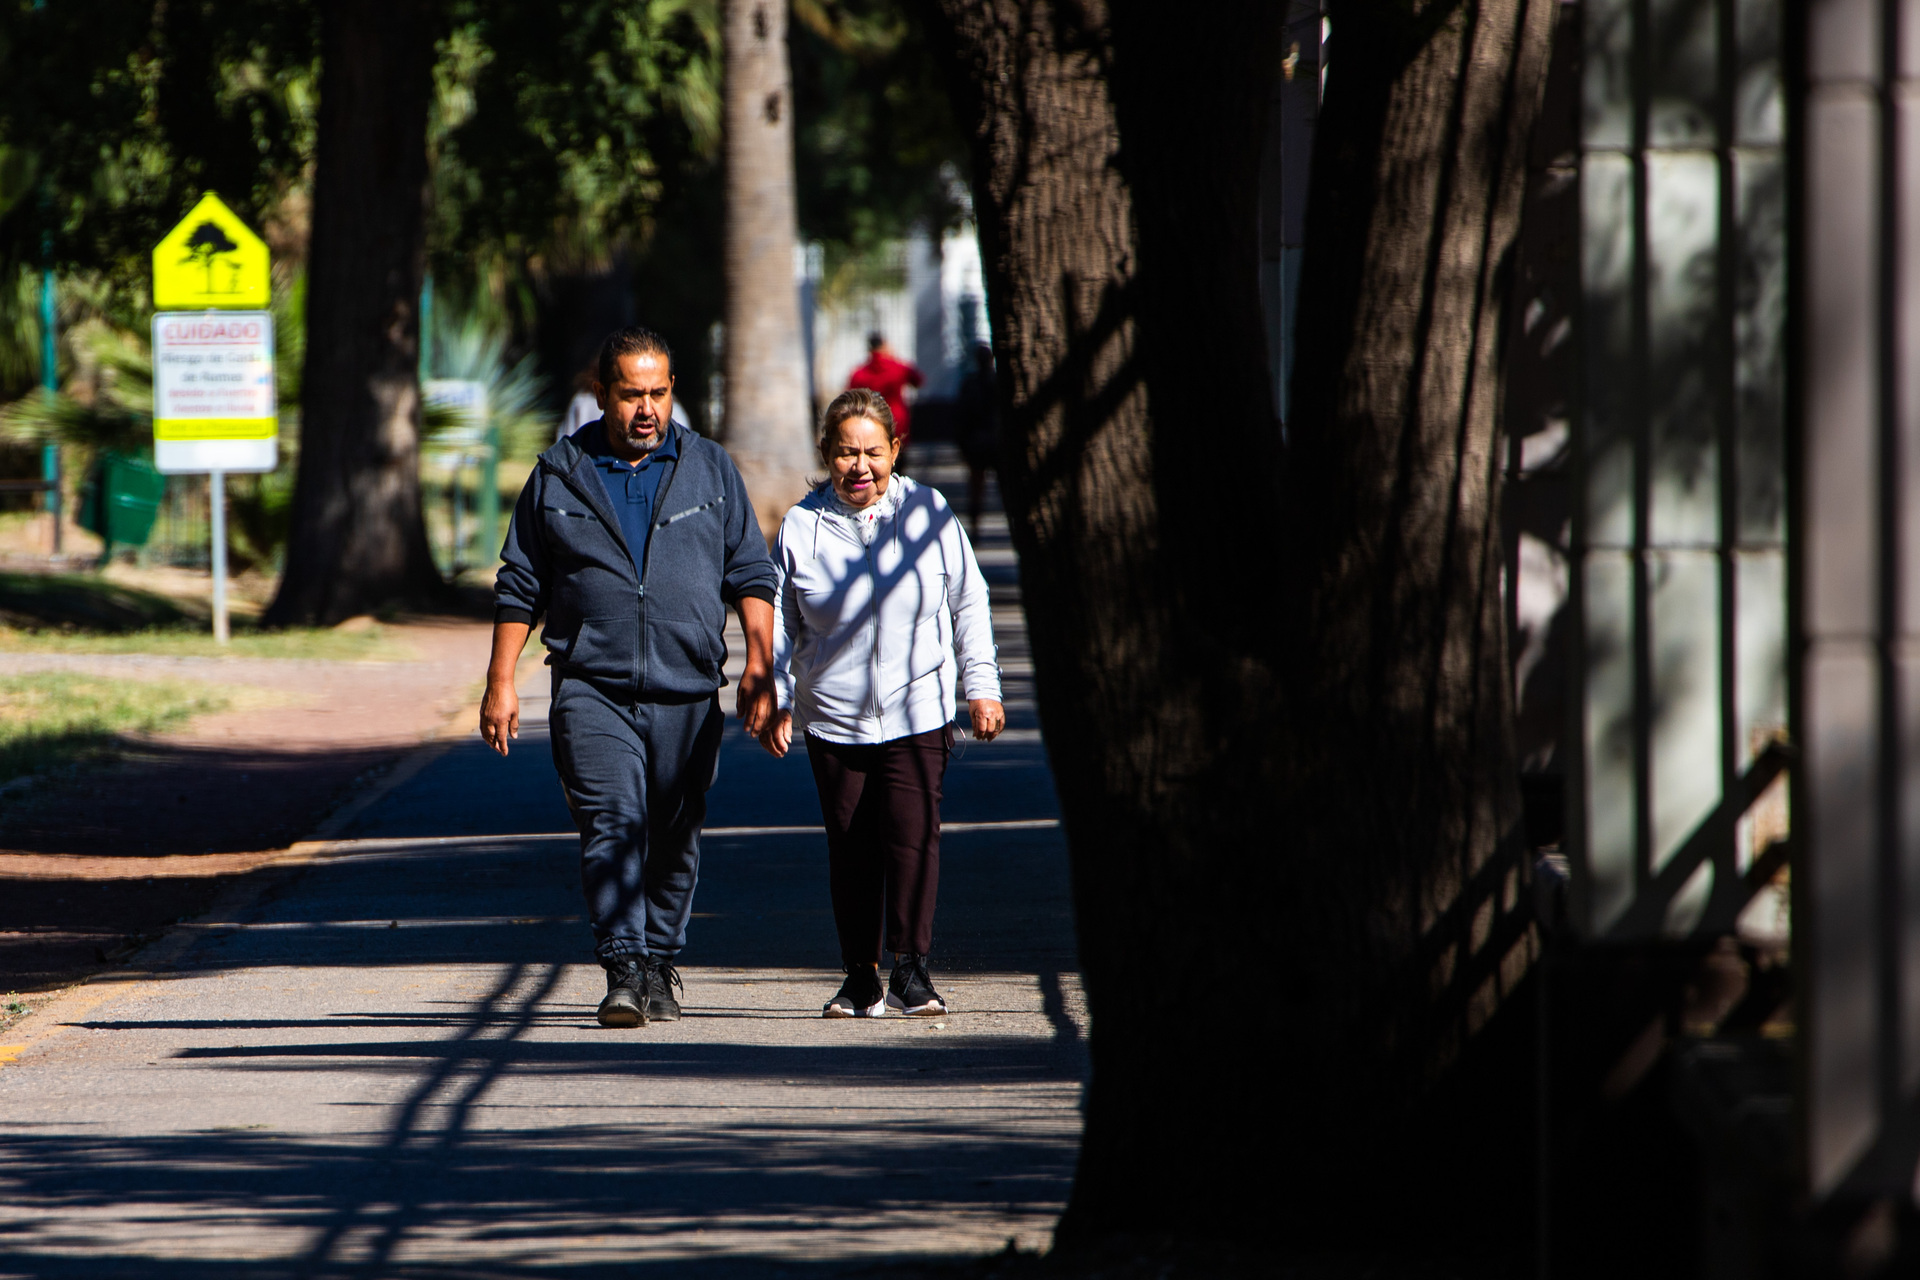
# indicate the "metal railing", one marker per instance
pixel 1678 465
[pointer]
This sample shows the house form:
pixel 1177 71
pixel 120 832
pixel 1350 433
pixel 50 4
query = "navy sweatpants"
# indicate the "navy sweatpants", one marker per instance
pixel 636 777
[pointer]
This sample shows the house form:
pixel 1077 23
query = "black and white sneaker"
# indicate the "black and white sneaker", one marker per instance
pixel 910 990
pixel 626 1001
pixel 662 979
pixel 861 995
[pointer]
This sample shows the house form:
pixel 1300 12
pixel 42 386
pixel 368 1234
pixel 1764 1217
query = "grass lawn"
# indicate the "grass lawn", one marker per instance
pixel 375 644
pixel 84 613
pixel 48 719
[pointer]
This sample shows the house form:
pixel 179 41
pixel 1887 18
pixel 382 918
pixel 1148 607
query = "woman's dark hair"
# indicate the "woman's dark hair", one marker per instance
pixel 631 341
pixel 855 402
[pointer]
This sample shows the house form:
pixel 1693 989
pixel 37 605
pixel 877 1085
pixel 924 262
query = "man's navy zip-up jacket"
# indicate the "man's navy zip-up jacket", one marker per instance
pixel 647 634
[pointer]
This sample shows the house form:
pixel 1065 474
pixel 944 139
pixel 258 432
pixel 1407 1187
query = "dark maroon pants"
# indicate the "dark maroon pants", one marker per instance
pixel 881 805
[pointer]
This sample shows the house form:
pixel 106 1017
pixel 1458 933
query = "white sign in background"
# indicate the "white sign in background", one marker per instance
pixel 214 407
pixel 470 398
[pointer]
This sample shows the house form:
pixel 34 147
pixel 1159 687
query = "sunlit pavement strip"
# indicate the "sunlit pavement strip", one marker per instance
pixel 390 1067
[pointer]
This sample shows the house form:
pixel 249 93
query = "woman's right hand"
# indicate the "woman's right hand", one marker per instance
pixel 777 737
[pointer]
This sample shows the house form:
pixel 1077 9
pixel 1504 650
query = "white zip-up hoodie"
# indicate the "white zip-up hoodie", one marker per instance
pixel 871 632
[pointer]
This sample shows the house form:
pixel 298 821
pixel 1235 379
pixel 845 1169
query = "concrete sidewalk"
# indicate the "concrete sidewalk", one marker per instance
pixel 389 1064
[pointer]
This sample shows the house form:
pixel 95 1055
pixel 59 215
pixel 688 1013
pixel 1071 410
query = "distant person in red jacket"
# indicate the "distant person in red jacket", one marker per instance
pixel 890 376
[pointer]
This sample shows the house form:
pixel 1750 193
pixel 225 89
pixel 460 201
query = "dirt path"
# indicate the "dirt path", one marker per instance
pixel 92 861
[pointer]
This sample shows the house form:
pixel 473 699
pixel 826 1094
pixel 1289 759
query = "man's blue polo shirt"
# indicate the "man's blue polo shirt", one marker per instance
pixel 631 486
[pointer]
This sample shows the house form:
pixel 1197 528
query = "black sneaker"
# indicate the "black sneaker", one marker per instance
pixel 663 977
pixel 627 984
pixel 861 995
pixel 910 990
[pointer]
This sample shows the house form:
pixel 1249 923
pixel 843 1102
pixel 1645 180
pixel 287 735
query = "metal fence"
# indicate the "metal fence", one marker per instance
pixel 451 494
pixel 1678 468
pixel 180 530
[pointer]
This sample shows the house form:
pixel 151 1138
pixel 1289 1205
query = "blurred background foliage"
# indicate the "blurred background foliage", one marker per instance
pixel 475 343
pixel 115 116
pixel 877 149
pixel 559 124
pixel 575 160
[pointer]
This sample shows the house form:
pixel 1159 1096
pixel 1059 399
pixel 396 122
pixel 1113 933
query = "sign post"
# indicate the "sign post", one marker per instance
pixel 214 405
pixel 217 518
pixel 50 382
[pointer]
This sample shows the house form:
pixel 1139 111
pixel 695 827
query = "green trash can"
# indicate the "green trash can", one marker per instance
pixel 121 500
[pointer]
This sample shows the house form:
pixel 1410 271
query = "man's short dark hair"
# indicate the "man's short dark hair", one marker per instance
pixel 876 340
pixel 631 341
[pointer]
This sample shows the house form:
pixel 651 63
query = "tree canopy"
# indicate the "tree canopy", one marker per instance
pixel 564 137
pixel 563 124
pixel 114 118
pixel 877 147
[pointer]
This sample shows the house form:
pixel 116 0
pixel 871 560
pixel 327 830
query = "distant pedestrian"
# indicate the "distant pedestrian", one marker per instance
pixel 890 376
pixel 880 606
pixel 978 410
pixel 582 409
pixel 634 602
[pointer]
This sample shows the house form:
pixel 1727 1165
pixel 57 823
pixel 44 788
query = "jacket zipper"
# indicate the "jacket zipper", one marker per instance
pixel 873 621
pixel 646 558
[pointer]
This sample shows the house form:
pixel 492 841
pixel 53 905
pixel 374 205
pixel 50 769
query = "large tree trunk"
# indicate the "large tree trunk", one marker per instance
pixel 358 538
pixel 1272 683
pixel 766 420
pixel 1408 835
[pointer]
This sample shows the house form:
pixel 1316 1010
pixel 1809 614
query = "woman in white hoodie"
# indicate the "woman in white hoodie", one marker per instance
pixel 880 607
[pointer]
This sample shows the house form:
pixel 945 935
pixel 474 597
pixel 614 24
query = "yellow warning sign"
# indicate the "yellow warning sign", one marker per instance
pixel 212 259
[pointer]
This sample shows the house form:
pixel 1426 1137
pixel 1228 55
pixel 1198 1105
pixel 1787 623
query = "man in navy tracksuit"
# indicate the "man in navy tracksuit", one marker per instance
pixel 631 539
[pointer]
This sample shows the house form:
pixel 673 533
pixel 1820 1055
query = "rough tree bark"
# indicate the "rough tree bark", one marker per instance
pixel 766 421
pixel 358 538
pixel 1272 679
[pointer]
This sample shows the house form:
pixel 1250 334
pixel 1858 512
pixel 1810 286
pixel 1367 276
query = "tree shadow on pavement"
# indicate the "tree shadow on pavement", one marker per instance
pixel 653 1195
pixel 79 879
pixel 505 1134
